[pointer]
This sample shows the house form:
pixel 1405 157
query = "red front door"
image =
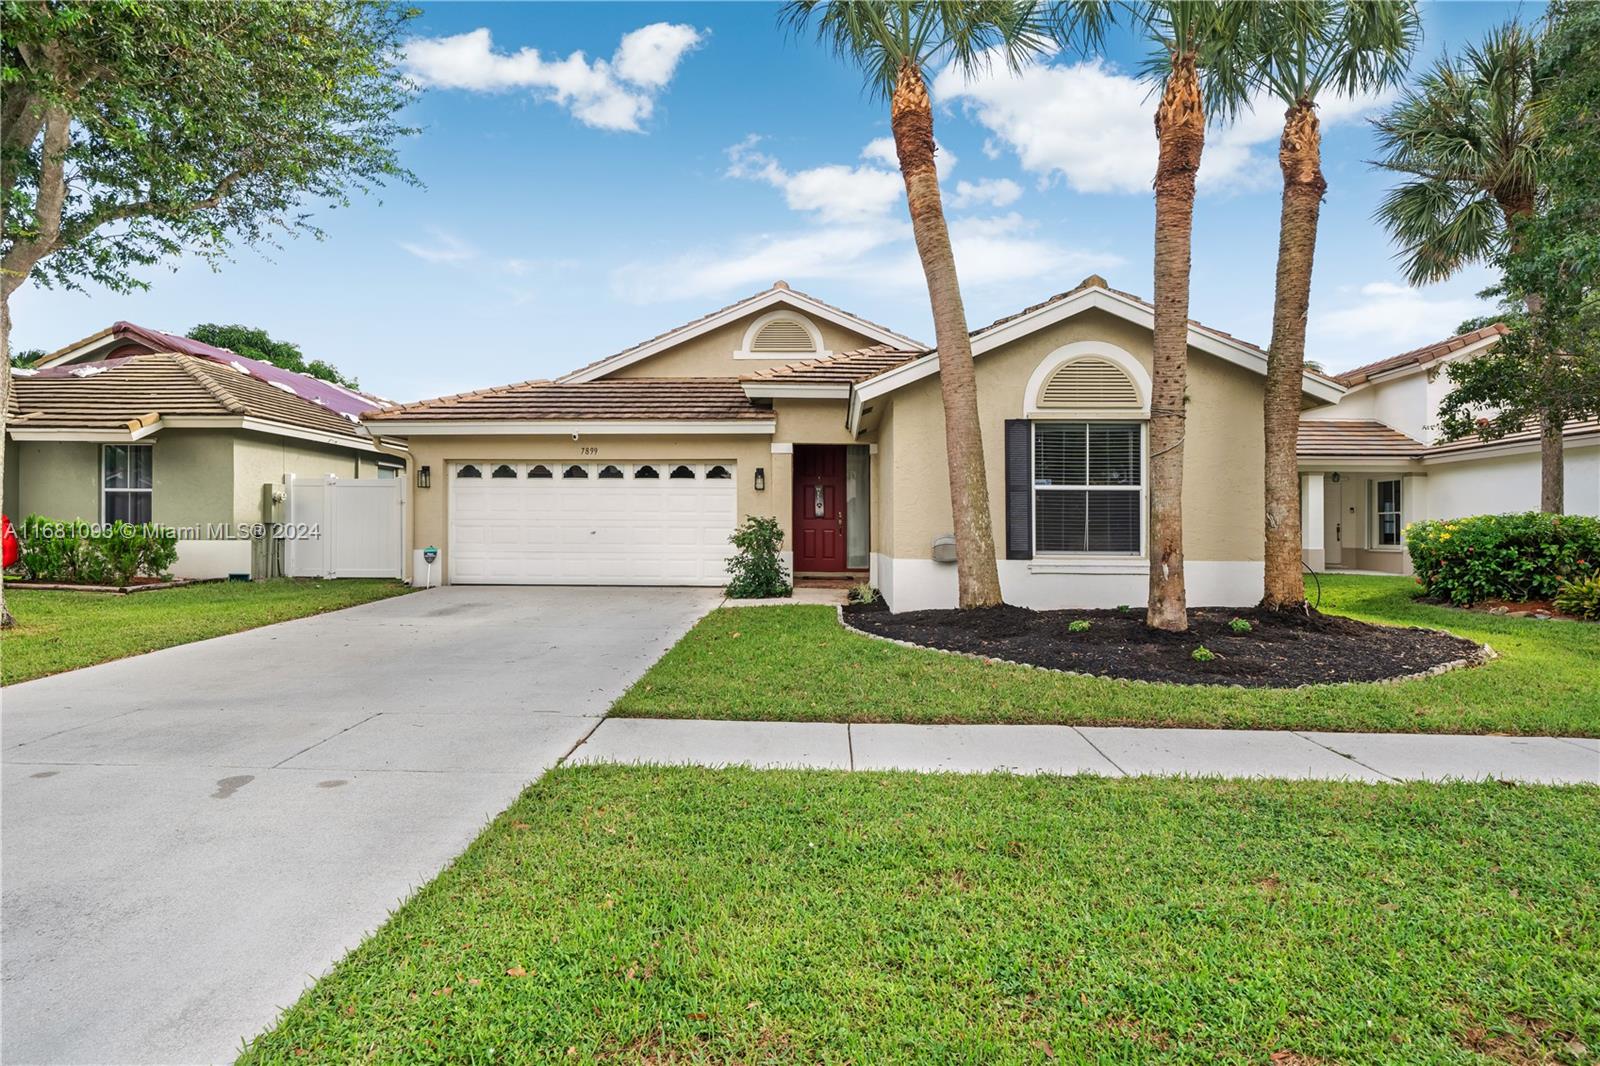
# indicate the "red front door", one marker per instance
pixel 818 508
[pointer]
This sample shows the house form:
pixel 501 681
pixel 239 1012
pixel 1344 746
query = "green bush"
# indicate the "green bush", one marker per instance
pixel 1504 556
pixel 757 572
pixel 862 593
pixel 78 553
pixel 1580 597
pixel 1240 625
pixel 1202 654
pixel 1078 625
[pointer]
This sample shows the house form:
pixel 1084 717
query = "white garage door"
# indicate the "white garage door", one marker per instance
pixel 588 523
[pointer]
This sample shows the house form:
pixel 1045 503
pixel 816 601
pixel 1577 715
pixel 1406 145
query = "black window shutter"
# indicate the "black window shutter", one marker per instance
pixel 1019 488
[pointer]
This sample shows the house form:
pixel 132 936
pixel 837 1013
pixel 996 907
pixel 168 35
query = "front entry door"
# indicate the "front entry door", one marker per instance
pixel 819 508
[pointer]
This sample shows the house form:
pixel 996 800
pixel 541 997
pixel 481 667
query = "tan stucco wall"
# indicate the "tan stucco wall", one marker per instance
pixel 711 354
pixel 1223 450
pixel 430 510
pixel 193 478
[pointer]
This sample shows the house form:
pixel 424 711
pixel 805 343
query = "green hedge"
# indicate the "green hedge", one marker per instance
pixel 83 553
pixel 1503 556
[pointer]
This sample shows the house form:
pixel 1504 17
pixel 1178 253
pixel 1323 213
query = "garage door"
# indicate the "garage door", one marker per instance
pixel 588 523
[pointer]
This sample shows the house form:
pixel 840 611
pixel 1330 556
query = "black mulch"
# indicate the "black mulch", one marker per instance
pixel 1281 650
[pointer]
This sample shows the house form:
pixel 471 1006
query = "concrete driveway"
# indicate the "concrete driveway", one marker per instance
pixel 190 837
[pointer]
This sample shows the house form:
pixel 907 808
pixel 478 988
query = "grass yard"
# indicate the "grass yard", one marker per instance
pixel 799 664
pixel 58 631
pixel 685 915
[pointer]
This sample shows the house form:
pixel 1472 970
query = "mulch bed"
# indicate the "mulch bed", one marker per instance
pixel 1282 650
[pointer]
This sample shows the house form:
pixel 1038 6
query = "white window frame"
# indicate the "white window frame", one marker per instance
pixel 1144 491
pixel 1375 543
pixel 105 489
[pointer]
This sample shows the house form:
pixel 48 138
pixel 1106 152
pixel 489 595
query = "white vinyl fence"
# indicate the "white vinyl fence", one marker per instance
pixel 335 527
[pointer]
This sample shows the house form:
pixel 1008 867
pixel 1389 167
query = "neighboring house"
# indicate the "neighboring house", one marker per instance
pixel 145 426
pixel 1373 463
pixel 635 469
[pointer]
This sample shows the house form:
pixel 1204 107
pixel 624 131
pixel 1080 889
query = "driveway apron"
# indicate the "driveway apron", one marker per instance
pixel 190 837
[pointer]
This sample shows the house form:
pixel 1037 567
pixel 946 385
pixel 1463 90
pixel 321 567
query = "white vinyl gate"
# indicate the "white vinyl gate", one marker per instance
pixel 334 527
pixel 581 522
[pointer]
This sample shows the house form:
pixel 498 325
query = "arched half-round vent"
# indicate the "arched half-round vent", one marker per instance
pixel 1089 384
pixel 783 335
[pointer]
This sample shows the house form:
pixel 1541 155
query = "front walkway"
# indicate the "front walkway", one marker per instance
pixel 1112 752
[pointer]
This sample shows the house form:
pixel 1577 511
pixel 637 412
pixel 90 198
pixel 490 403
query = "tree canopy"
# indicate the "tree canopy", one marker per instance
pixel 137 132
pixel 257 344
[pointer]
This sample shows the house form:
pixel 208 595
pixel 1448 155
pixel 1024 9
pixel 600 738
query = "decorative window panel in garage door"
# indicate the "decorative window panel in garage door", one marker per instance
pixel 581 522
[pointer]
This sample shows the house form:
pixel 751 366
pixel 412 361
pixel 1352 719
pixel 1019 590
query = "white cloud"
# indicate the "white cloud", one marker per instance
pixel 444 248
pixel 835 193
pixel 615 94
pixel 993 192
pixel 858 233
pixel 1386 319
pixel 1092 125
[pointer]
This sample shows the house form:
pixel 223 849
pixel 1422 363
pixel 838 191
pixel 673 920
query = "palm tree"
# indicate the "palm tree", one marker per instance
pixel 1469 136
pixel 1297 50
pixel 894 43
pixel 1189 35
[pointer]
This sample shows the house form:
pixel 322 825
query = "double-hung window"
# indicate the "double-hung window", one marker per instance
pixel 1386 513
pixel 126 482
pixel 1088 487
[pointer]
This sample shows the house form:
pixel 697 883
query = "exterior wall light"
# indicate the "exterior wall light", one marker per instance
pixel 761 479
pixel 424 477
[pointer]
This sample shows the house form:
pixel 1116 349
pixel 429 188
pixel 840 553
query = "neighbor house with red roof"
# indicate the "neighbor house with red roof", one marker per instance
pixel 141 425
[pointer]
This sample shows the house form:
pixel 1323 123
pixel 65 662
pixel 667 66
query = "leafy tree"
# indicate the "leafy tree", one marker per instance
pixel 1547 369
pixel 894 43
pixel 256 344
pixel 132 132
pixel 1472 136
pixel 1188 36
pixel 1300 50
pixel 27 357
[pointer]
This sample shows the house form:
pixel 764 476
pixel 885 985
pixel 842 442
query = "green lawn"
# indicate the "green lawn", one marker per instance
pixel 58 631
pixel 685 915
pixel 798 664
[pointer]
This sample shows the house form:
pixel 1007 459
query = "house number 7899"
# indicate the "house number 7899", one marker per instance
pixel 589 451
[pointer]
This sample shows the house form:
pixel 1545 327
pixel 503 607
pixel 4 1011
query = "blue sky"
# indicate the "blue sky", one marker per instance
pixel 573 204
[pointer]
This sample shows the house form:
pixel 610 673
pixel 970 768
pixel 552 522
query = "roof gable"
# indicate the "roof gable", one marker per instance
pixel 1092 294
pixel 1417 358
pixel 779 296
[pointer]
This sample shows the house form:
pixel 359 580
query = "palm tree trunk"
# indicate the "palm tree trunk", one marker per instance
pixel 911 116
pixel 1300 159
pixel 1181 132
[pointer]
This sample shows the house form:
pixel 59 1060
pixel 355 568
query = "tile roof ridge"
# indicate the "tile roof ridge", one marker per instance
pixel 192 367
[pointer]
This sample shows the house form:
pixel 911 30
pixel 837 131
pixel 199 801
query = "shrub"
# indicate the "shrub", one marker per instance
pixel 1580 597
pixel 756 571
pixel 77 553
pixel 1240 625
pixel 1202 654
pixel 1505 556
pixel 862 593
pixel 1078 625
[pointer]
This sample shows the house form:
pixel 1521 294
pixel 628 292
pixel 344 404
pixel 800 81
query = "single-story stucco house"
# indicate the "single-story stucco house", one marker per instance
pixel 135 424
pixel 1374 462
pixel 635 469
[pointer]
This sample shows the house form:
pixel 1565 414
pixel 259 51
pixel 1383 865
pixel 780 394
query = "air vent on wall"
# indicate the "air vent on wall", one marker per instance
pixel 1089 383
pixel 783 335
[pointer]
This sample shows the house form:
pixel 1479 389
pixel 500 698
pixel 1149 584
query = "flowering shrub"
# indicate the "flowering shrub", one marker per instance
pixel 1503 556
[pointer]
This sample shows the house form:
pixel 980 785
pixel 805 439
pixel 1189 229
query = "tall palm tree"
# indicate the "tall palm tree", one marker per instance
pixel 1469 137
pixel 895 42
pixel 1189 35
pixel 1297 50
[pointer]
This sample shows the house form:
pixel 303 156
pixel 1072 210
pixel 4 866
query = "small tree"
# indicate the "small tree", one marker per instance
pixel 757 571
pixel 133 132
pixel 256 344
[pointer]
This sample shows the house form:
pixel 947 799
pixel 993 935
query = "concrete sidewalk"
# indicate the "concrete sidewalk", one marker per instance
pixel 1113 752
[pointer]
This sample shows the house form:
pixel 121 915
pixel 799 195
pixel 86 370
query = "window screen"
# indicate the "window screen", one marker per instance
pixel 1086 484
pixel 127 482
pixel 1388 513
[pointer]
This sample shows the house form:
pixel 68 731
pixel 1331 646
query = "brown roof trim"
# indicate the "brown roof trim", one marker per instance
pixel 607 399
pixel 1428 353
pixel 1325 438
